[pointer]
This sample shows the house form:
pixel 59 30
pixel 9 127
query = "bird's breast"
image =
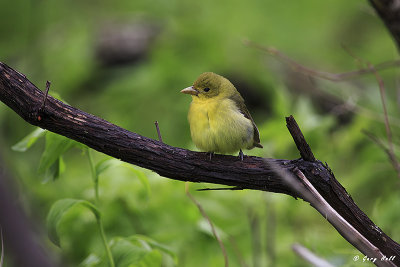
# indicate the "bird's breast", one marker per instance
pixel 218 126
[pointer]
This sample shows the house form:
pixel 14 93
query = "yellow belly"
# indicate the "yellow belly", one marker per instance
pixel 218 126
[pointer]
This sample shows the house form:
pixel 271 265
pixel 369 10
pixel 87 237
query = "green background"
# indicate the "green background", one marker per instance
pixel 59 41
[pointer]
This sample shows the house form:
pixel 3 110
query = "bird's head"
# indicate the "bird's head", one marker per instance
pixel 208 85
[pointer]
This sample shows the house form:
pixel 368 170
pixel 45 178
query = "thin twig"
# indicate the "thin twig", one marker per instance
pixel 381 89
pixel 359 61
pixel 379 117
pixel 392 156
pixel 39 118
pixel 334 77
pixel 48 83
pixel 379 79
pixel 236 249
pixel 310 257
pixel 377 141
pixel 204 214
pixel 158 132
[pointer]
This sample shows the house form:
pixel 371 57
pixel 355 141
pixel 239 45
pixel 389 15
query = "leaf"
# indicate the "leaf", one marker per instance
pixel 91 261
pixel 55 170
pixel 151 259
pixel 129 254
pixel 28 140
pixel 58 209
pixel 105 164
pixel 155 244
pixel 56 145
pixel 142 177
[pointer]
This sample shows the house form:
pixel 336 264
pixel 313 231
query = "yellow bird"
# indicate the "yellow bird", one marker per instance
pixel 219 119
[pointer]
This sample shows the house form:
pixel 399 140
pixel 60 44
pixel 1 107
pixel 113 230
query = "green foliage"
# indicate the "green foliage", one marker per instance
pixel 29 140
pixel 51 162
pixel 57 211
pixel 91 261
pixel 56 145
pixel 134 253
pixel 148 242
pixel 106 163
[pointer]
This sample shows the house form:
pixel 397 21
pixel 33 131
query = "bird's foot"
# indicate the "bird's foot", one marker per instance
pixel 241 155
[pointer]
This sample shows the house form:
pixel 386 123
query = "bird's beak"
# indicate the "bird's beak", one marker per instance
pixel 190 91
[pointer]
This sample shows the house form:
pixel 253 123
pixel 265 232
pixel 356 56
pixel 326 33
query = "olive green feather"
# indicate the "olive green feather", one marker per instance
pixel 239 101
pixel 218 117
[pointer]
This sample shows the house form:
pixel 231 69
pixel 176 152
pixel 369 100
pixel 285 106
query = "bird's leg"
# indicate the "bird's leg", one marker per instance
pixel 210 154
pixel 241 155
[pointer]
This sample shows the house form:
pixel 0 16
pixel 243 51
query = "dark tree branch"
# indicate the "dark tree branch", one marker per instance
pixel 389 12
pixel 299 140
pixel 180 164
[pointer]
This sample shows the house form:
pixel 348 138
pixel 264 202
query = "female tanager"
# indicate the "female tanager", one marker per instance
pixel 219 119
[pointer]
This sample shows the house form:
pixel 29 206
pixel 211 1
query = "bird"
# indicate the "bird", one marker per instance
pixel 218 117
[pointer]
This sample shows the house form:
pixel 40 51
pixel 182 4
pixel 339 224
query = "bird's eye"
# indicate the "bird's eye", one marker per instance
pixel 206 89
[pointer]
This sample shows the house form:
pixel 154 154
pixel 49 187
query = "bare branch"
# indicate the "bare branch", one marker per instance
pixel 341 77
pixel 392 156
pixel 382 94
pixel 334 77
pixel 300 141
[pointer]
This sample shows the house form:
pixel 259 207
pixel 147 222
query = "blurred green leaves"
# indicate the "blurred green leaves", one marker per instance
pixel 29 140
pixel 51 163
pixel 57 211
pixel 140 251
pixel 56 145
pixel 107 163
pixel 135 251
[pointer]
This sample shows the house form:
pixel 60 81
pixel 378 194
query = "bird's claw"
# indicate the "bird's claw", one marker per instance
pixel 241 155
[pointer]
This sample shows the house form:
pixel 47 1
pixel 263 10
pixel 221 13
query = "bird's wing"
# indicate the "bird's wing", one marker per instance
pixel 239 101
